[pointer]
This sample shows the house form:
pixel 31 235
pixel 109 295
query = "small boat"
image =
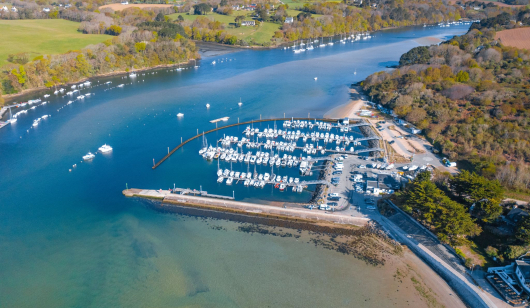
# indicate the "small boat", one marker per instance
pixel 282 187
pixel 229 181
pixel 89 156
pixel 315 78
pixel 207 105
pixel 220 179
pixel 132 75
pixel 213 62
pixel 180 115
pixel 240 103
pixel 105 148
pixel 46 95
pixel 120 85
pixel 80 97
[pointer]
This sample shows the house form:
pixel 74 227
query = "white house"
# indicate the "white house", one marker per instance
pixel 4 8
pixel 45 9
pixel 289 20
pixel 125 2
pixel 248 23
pixel 14 9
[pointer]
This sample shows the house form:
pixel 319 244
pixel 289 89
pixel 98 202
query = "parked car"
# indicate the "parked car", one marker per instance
pixel 392 142
pixel 333 195
pixel 337 172
pixel 362 167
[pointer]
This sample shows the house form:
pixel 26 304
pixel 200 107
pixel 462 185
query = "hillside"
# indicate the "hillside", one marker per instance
pixel 471 97
pixel 42 36
pixel 519 38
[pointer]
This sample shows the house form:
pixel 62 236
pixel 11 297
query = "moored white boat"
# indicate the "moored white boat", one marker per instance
pixel 89 156
pixel 105 148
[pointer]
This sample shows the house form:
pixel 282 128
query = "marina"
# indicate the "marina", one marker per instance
pixel 76 248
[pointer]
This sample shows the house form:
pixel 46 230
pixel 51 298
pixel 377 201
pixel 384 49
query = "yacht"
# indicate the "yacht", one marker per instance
pixel 120 85
pixel 80 97
pixel 89 156
pixel 207 105
pixel 46 95
pixel 229 181
pixel 220 179
pixel 180 115
pixel 132 75
pixel 213 62
pixel 105 148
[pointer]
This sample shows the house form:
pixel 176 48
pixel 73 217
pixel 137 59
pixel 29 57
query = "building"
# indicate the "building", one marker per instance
pixel 289 20
pixel 14 9
pixel 516 215
pixel 45 9
pixel 248 23
pixel 512 281
pixel 4 8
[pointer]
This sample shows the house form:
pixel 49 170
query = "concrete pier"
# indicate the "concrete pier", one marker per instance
pixel 247 208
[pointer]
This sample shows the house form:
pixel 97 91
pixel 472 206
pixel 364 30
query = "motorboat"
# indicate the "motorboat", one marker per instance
pixel 220 179
pixel 229 181
pixel 105 148
pixel 180 115
pixel 89 156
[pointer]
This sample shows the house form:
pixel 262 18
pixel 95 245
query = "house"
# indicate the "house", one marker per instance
pixel 235 7
pixel 125 3
pixel 46 9
pixel 4 8
pixel 14 9
pixel 512 281
pixel 248 23
pixel 289 20
pixel 516 215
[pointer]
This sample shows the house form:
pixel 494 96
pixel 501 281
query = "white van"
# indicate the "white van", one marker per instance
pixel 324 207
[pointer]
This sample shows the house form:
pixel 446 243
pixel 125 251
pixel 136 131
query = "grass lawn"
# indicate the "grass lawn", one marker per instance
pixel 261 34
pixel 42 36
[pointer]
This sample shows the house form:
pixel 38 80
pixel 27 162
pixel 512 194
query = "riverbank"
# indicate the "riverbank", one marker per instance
pixel 351 108
pixel 9 98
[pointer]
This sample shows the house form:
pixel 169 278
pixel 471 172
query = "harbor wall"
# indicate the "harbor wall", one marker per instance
pixel 232 125
pixel 258 210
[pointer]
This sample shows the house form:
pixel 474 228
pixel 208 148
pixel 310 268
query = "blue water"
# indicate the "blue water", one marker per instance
pixel 71 239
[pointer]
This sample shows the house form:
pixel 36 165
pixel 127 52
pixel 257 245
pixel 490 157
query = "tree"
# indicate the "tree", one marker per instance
pixel 202 9
pixel 238 20
pixel 180 18
pixel 475 187
pixel 417 55
pixel 160 17
pixel 462 76
pixel 487 210
pixel 223 3
pixel 522 232
pixel 114 30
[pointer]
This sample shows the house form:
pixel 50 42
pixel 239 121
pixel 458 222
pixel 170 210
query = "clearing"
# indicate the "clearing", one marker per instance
pixel 43 36
pixel 260 35
pixel 519 38
pixel 119 6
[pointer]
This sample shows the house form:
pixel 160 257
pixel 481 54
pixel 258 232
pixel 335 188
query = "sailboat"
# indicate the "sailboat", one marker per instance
pixel 240 103
pixel 330 41
pixel 179 68
pixel 11 119
pixel 322 43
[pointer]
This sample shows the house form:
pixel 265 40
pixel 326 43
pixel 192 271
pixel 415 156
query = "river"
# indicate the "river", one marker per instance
pixel 70 239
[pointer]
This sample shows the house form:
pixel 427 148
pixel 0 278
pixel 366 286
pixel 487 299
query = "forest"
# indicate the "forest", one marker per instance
pixel 470 96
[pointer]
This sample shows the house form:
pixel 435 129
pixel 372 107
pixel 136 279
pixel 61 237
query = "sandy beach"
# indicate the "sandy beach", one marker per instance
pixel 349 109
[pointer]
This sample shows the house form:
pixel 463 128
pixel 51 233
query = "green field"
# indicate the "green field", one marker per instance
pixel 261 34
pixel 42 36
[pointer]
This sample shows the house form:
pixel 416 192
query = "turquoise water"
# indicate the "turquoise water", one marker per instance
pixel 70 239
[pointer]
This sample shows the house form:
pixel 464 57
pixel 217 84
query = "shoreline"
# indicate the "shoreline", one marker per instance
pixel 10 97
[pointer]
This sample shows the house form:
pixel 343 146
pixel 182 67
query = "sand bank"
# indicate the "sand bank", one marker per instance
pixel 349 109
